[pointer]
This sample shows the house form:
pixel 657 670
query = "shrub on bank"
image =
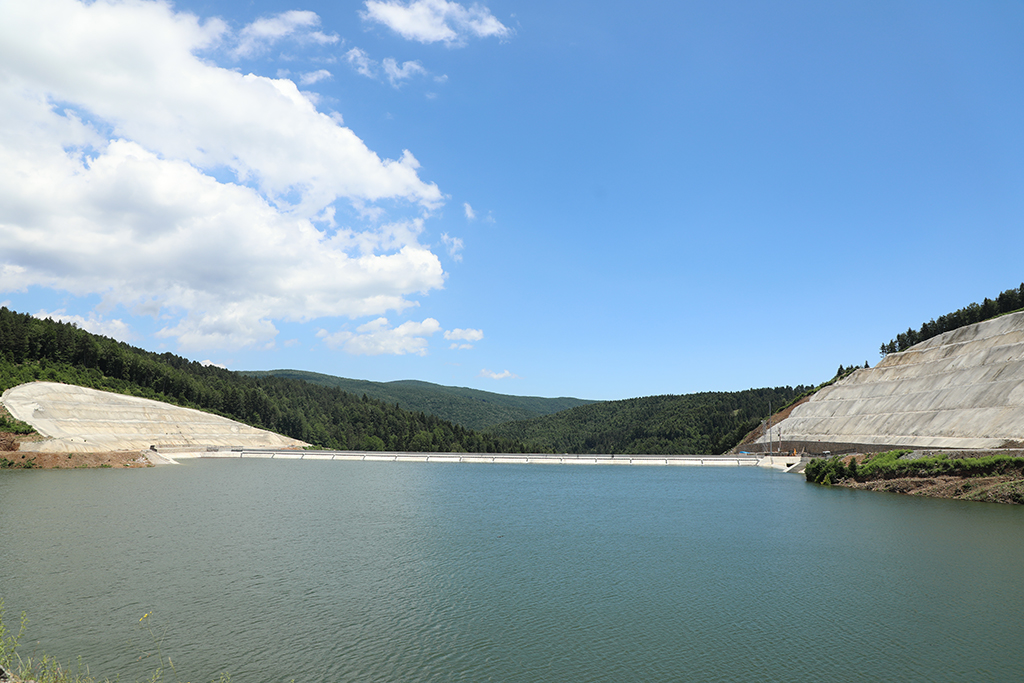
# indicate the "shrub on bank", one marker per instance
pixel 8 425
pixel 826 471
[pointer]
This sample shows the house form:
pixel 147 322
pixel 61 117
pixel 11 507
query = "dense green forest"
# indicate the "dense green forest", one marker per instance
pixel 33 349
pixel 699 424
pixel 1009 301
pixel 470 408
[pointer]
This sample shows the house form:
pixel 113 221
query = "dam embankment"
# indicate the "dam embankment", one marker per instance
pixel 79 420
pixel 960 390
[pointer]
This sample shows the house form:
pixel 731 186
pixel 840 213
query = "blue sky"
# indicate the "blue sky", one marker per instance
pixel 583 199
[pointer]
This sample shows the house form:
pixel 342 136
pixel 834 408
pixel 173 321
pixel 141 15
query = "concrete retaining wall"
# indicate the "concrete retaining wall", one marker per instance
pixel 814 447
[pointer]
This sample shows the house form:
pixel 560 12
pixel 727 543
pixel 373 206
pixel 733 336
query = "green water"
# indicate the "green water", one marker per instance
pixel 347 571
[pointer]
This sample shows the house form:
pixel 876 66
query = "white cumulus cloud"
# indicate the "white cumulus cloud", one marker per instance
pixel 314 77
pixel 112 130
pixel 116 329
pixel 468 334
pixel 454 246
pixel 498 375
pixel 432 21
pixel 470 213
pixel 397 73
pixel 377 337
pixel 262 33
pixel 459 335
pixel 361 62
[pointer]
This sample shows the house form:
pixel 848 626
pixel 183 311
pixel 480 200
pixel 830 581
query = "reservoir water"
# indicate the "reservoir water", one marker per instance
pixel 348 571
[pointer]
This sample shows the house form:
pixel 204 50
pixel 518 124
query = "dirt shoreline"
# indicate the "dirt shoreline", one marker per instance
pixel 1007 489
pixel 19 459
pixel 1000 489
pixel 62 461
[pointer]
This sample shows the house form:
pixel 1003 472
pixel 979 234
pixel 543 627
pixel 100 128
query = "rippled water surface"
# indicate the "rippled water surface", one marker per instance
pixel 347 571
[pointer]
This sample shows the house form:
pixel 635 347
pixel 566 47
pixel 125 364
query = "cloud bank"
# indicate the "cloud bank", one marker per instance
pixel 134 169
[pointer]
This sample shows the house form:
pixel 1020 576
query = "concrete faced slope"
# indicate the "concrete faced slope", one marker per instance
pixel 961 389
pixel 82 420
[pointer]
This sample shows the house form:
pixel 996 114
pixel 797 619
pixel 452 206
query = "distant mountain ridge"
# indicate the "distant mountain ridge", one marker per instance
pixel 706 423
pixel 471 408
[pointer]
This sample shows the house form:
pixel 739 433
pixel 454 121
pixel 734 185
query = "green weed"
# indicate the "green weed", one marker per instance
pixel 46 669
pixel 7 464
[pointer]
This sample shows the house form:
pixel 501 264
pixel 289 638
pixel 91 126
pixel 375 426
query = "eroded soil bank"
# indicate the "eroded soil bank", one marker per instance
pixel 1002 488
pixel 999 489
pixel 18 459
pixel 53 461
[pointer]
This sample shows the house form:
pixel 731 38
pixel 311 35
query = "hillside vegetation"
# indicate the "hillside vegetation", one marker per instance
pixel 1008 301
pixel 33 349
pixel 470 408
pixel 699 424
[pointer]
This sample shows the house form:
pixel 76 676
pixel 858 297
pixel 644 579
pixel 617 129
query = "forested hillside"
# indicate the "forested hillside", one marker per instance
pixel 699 424
pixel 470 408
pixel 1007 302
pixel 32 349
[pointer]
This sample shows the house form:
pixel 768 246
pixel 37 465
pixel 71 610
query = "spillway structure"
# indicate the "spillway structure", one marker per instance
pixel 79 419
pixel 963 389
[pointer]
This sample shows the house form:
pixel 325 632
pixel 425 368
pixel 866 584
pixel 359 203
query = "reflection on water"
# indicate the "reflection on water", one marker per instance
pixel 345 571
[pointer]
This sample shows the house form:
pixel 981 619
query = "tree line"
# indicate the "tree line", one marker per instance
pixel 699 424
pixel 1009 301
pixel 32 349
pixel 844 371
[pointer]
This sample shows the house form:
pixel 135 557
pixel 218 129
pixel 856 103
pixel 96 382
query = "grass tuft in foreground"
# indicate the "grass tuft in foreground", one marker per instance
pixel 46 669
